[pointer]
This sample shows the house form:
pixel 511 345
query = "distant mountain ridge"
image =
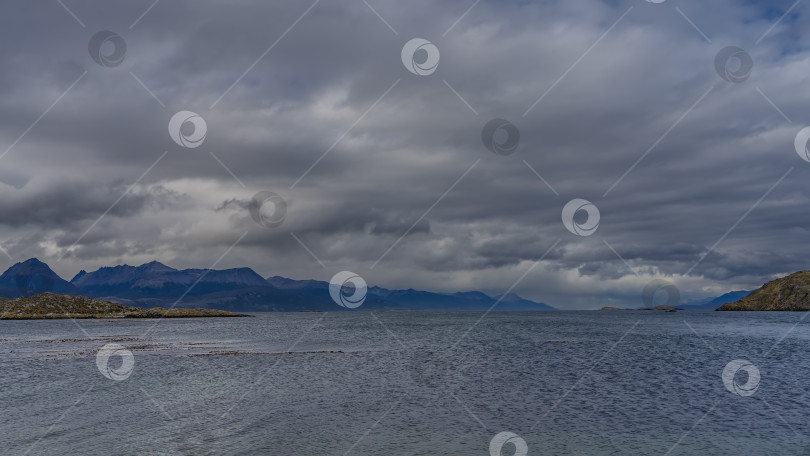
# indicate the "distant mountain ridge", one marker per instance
pixel 32 277
pixel 714 303
pixel 154 284
pixel 156 280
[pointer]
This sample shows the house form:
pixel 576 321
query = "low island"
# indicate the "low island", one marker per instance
pixel 662 307
pixel 53 306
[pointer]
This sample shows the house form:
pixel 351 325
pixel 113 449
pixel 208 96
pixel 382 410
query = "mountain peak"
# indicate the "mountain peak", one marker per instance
pixel 31 277
pixel 155 266
pixel 31 264
pixel 32 261
pixel 78 276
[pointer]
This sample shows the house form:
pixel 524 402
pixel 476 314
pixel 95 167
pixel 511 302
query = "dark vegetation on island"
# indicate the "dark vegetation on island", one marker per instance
pixel 53 306
pixel 662 308
pixel 791 293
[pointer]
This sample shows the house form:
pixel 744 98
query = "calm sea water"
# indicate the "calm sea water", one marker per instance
pixel 567 383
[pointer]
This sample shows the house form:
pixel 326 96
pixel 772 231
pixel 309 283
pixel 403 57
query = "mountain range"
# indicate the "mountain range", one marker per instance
pixel 240 289
pixel 714 303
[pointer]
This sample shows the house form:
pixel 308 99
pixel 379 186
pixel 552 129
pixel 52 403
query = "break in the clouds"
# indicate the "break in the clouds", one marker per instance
pixel 380 160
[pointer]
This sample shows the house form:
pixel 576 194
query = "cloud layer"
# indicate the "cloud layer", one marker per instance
pixel 384 171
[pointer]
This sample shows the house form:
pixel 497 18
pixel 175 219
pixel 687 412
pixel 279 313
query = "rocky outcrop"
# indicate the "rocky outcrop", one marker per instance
pixel 791 293
pixel 51 306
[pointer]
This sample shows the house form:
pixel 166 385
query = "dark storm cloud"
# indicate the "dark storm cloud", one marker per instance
pixel 376 197
pixel 57 204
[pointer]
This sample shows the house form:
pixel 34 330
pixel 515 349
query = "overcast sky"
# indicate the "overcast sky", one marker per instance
pixel 617 102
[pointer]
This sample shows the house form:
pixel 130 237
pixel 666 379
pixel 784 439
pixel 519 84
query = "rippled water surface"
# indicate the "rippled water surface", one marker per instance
pixel 579 383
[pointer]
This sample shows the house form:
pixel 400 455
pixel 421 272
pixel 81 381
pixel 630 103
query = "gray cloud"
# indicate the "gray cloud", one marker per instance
pixel 383 173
